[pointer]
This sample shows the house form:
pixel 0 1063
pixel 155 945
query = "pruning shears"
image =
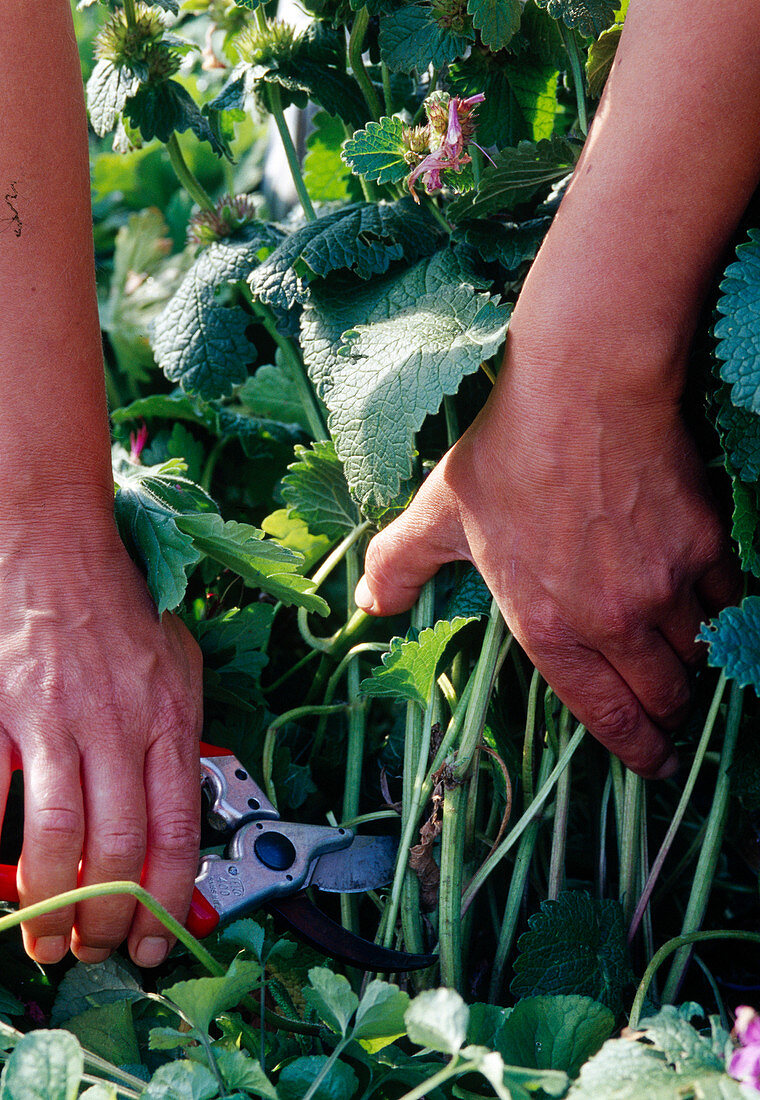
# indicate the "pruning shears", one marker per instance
pixel 271 863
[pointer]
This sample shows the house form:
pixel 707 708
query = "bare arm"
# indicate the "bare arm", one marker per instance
pixel 99 700
pixel 577 492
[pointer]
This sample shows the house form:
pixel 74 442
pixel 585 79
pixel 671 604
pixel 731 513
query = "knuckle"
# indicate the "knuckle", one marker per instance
pixel 176 712
pixel 545 629
pixel 57 828
pixel 710 546
pixel 614 721
pixel 619 621
pixel 669 699
pixel 122 845
pixel 176 836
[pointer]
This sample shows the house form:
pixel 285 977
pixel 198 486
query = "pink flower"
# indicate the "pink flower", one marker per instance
pixel 745 1061
pixel 137 442
pixel 450 154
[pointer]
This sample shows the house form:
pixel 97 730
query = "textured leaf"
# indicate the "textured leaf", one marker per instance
pixel 89 985
pixel 295 1078
pixel 590 17
pixel 509 244
pixel 738 330
pixel 269 394
pixel 315 490
pixel 600 58
pixel 107 1031
pixel 410 667
pixel 516 176
pixel 470 597
pixel 438 1019
pixel 576 944
pixel 497 20
pixel 198 340
pixel 521 96
pixel 363 238
pixel 746 524
pixel 202 999
pixel 44 1065
pixel 332 998
pixel 734 642
pixel 554 1032
pixel 234 652
pixel 161 108
pixel 382 357
pixel 108 89
pixel 410 38
pixel 378 152
pixel 740 435
pixel 325 174
pixel 182 1081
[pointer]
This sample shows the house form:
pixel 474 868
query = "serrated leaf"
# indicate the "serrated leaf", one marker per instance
pixel 108 89
pixel 410 667
pixel 202 999
pixel 315 490
pixel 161 108
pixel 734 642
pixel 199 341
pixel 554 1032
pixel 576 944
pixel 470 596
pixel 290 531
pixel 182 1081
pixel 601 55
pixel 521 96
pixel 240 1071
pixel 363 238
pixel 589 17
pixel 325 174
pixel 410 38
pixel 295 1078
pixel 234 652
pixel 382 358
pixel 89 985
pixel 509 244
pixel 738 330
pixel 437 1018
pixel 44 1065
pixel 516 176
pixel 497 20
pixel 269 394
pixel 745 527
pixel 332 998
pixel 378 152
pixel 740 435
pixel 107 1031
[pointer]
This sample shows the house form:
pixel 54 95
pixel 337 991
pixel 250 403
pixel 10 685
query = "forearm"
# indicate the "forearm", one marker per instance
pixel 53 422
pixel 671 161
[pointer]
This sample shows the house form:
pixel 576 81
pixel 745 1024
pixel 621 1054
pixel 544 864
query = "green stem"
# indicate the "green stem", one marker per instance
pixel 561 815
pixel 680 943
pixel 432 207
pixel 267 755
pixel 334 558
pixel 484 676
pixel 357 716
pixel 334 682
pixel 328 1065
pixel 708 856
pixel 194 188
pixel 96 1062
pixel 278 114
pixel 293 669
pixel 387 90
pixel 528 739
pixel 630 846
pixel 576 68
pixel 449 911
pixel 452 420
pixel 355 60
pixel 618 794
pixel 130 13
pixel 211 461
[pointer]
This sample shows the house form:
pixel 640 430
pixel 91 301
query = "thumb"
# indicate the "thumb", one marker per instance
pixel 401 558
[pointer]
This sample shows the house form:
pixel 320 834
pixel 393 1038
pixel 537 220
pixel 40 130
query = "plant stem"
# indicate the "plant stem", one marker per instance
pixel 293 669
pixel 449 909
pixel 561 815
pixel 278 114
pixel 708 856
pixel 185 176
pixel 455 1068
pixel 484 675
pixel 528 739
pixel 387 90
pixel 328 645
pixel 211 461
pixel 267 755
pixel 355 60
pixel 630 844
pixel 328 1065
pixel 357 715
pixel 576 68
pixel 130 13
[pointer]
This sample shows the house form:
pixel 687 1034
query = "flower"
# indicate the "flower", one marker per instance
pixel 447 145
pixel 745 1060
pixel 137 441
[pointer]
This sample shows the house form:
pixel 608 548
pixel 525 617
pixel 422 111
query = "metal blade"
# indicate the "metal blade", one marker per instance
pixel 369 861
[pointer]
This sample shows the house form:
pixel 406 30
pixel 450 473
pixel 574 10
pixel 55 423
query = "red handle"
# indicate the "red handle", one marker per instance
pixel 8 891
pixel 214 750
pixel 202 918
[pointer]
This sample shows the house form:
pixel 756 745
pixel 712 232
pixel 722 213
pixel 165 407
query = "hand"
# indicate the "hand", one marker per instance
pixel 100 702
pixel 588 516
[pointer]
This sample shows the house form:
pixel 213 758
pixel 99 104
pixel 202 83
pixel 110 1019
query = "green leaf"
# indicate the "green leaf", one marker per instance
pixel 554 1032
pixel 100 1092
pixel 296 1077
pixel 182 1081
pixel 44 1065
pixel 740 435
pixel 470 597
pixel 410 667
pixel 746 524
pixel 107 1031
pixel 576 944
pixel 198 339
pixel 108 89
pixel 738 330
pixel 234 652
pixel 410 38
pixel 600 58
pixel 509 244
pixel 734 642
pixel 380 1016
pixel 89 985
pixel 590 17
pixel 240 1071
pixel 332 998
pixel 437 1018
pixel 10 1005
pixel 315 490
pixel 262 563
pixel 325 174
pixel 382 357
pixel 161 108
pixel 484 1022
pixel 269 394
pixel 378 152
pixel 521 96
pixel 290 531
pixel 363 238
pixel 515 177
pixel 497 20
pixel 202 999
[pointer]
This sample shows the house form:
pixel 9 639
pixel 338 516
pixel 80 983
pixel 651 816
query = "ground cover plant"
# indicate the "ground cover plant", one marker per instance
pixel 278 389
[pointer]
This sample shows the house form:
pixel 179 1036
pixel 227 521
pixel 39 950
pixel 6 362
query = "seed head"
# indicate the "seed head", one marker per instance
pixel 230 213
pixel 122 44
pixel 267 45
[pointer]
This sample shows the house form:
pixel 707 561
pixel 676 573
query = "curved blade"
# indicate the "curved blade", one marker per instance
pixel 316 928
pixel 368 862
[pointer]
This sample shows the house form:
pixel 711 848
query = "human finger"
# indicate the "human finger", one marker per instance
pixel 681 627
pixel 655 674
pixel 172 787
pixel 721 585
pixel 114 799
pixel 53 834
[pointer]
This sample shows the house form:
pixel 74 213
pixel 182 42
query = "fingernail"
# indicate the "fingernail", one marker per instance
pixel 50 949
pixel 151 951
pixel 92 954
pixel 670 767
pixel 362 596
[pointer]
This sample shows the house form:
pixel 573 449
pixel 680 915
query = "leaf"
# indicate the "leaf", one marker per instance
pixel 437 1018
pixel 746 524
pixel 470 598
pixel 601 55
pixel 589 17
pixel 315 490
pixel 410 667
pixel 107 1031
pixel 202 999
pixel 517 175
pixel 240 1071
pixel 734 642
pixel 89 985
pixel 108 89
pixel 10 1005
pixel 378 151
pixel 290 531
pixel 182 1081
pixel 200 341
pixel 410 38
pixel 382 357
pixel 380 1016
pixel 576 944
pixel 161 108
pixel 100 1092
pixel 295 1078
pixel 363 238
pixel 521 96
pixel 44 1065
pixel 738 330
pixel 509 244
pixel 325 174
pixel 554 1032
pixel 740 435
pixel 234 651
pixel 269 393
pixel 497 20
pixel 332 998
